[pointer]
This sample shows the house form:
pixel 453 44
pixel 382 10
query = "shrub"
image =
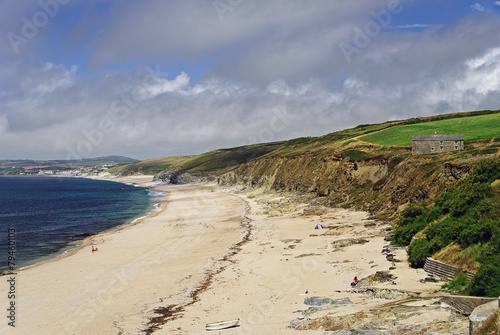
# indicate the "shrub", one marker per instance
pixel 486 171
pixel 486 281
pixel 418 252
pixel 415 218
pixel 479 231
pixel 356 155
pixel 457 285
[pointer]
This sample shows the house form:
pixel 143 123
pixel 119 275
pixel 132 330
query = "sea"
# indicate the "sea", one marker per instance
pixel 44 217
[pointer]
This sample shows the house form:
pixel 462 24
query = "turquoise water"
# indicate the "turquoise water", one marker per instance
pixel 41 217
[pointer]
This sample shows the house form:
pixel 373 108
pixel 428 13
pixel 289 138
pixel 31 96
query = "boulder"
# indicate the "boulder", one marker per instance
pixel 322 301
pixel 480 315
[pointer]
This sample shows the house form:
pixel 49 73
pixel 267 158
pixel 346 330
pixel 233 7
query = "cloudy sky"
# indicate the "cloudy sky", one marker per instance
pixel 146 79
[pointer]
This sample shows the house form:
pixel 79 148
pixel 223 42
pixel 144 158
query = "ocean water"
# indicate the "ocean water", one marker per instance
pixel 42 217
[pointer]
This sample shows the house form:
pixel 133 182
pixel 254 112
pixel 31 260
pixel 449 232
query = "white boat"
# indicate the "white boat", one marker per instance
pixel 222 324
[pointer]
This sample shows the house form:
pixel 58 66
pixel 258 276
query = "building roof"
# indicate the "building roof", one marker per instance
pixel 437 137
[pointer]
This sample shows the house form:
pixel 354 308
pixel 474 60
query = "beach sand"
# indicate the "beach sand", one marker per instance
pixel 209 255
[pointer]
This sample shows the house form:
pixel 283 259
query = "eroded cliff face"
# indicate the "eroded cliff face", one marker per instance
pixel 381 185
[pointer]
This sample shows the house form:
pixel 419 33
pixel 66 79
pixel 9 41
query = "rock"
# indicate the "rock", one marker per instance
pixel 376 278
pixel 391 320
pixel 314 210
pixel 306 255
pixel 322 301
pixel 348 242
pixel 168 176
pixel 384 293
pixel 362 330
pixel 480 315
pixel 430 279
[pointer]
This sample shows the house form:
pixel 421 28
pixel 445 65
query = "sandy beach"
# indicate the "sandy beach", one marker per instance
pixel 210 255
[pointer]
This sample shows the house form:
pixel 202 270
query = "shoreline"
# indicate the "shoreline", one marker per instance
pixel 87 241
pixel 75 245
pixel 212 254
pixel 116 272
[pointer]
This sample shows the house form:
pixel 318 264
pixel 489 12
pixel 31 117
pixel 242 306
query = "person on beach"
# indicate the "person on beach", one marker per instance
pixel 355 282
pixel 94 249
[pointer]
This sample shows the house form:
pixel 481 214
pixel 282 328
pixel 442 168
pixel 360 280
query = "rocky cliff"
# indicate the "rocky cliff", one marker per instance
pixel 379 184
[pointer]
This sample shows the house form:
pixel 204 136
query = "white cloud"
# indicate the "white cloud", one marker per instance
pixel 4 124
pixel 410 26
pixel 173 117
pixel 478 7
pixel 483 73
pixel 159 86
pixel 55 76
pixel 269 71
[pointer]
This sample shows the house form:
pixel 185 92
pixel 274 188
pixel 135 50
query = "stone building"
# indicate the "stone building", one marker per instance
pixel 431 144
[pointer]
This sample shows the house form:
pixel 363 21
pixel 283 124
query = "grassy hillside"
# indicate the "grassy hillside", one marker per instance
pixel 148 167
pixel 388 139
pixel 473 128
pixel 216 161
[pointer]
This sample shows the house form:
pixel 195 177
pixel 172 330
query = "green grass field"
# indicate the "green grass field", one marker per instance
pixel 473 128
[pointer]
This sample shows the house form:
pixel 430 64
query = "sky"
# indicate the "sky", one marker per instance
pixel 148 79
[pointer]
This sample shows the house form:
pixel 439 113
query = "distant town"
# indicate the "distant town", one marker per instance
pixel 87 166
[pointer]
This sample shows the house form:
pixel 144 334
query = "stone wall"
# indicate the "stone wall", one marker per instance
pixel 443 270
pixel 465 304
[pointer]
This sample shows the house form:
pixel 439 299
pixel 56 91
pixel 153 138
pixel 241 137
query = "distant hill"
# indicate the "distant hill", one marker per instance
pixel 113 159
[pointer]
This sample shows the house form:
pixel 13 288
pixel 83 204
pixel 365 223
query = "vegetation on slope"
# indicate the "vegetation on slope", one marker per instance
pixel 216 161
pixel 472 127
pixel 224 159
pixel 387 137
pixel 465 215
pixel 147 167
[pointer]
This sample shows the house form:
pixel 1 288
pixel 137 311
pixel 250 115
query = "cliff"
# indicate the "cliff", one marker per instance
pixel 369 167
pixel 381 185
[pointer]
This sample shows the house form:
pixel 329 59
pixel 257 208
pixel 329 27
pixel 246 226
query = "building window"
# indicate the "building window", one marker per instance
pixel 441 142
pixel 432 149
pixel 456 147
pixel 441 147
pixel 456 142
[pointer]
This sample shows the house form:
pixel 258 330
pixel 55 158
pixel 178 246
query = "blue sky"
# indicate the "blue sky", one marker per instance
pixel 160 78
